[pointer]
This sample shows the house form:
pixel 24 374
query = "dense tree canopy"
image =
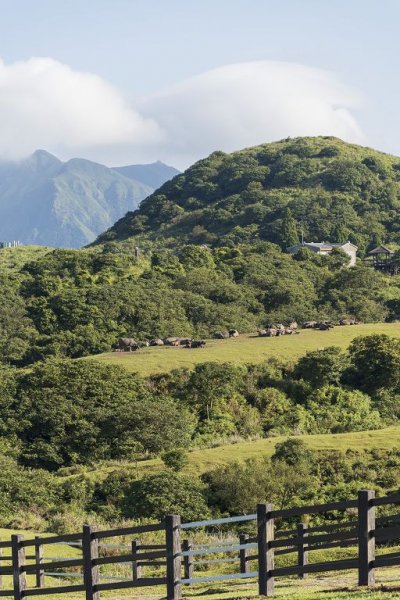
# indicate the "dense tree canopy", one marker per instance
pixel 322 186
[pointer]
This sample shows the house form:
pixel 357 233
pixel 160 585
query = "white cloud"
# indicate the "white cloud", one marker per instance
pixel 250 103
pixel 46 104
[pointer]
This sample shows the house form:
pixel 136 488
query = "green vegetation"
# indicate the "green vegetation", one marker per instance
pixel 202 460
pixel 247 207
pixel 78 303
pixel 332 189
pixel 296 419
pixel 13 259
pixel 62 418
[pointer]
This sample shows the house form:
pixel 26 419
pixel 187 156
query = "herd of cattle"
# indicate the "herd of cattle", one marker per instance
pixel 272 330
pixel 277 329
pixel 131 345
pixel 324 325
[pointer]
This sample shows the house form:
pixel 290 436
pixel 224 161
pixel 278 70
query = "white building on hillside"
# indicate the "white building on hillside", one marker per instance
pixel 326 248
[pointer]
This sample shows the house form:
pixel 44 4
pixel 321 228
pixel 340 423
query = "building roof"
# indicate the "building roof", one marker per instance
pixel 322 245
pixel 381 250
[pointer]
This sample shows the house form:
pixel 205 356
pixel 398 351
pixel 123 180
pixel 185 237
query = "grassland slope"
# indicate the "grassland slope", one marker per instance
pixel 245 349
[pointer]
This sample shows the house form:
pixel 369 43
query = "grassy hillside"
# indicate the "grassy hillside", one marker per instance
pixel 204 459
pixel 245 349
pixel 16 258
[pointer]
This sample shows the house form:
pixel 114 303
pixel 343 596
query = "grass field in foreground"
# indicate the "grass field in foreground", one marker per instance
pixel 245 349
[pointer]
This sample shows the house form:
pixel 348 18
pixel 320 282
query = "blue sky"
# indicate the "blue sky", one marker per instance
pixel 146 105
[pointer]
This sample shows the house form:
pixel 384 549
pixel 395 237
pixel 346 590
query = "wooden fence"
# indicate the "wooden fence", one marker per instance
pixel 178 558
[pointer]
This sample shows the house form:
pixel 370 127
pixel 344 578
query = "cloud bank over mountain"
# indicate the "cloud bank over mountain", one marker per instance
pixel 249 103
pixel 44 103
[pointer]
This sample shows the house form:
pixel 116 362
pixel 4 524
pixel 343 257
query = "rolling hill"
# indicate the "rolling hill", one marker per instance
pixel 324 187
pixel 67 204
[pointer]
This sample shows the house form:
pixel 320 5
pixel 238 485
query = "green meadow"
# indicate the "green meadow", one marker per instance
pixel 205 459
pixel 245 349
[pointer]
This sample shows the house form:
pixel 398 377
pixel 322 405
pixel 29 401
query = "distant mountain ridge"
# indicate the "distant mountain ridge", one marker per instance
pixel 67 204
pixel 154 174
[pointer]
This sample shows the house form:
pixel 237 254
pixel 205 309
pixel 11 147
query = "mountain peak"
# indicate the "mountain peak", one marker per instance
pixel 44 200
pixel 42 158
pixel 154 174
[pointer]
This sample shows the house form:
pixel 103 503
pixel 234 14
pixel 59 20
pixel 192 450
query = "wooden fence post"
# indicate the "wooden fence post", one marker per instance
pixel 302 553
pixel 188 566
pixel 18 562
pixel 174 562
pixel 39 553
pixel 136 567
pixel 265 535
pixel 243 553
pixel 90 550
pixel 366 537
pixel 187 560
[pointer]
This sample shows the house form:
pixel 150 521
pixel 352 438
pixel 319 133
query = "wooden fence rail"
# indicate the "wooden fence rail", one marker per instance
pixel 179 558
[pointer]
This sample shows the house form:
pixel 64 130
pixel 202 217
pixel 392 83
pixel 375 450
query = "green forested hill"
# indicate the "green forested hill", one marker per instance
pixel 330 189
pixel 248 206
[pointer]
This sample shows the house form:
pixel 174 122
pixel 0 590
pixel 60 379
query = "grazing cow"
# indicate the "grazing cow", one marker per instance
pixel 127 345
pixel 171 341
pixel 144 344
pixel 262 332
pixel 156 342
pixel 272 332
pixel 185 342
pixel 197 344
pixel 310 325
pixel 278 326
pixel 233 333
pixel 325 325
pixel 221 335
pixel 344 322
pixel 293 325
